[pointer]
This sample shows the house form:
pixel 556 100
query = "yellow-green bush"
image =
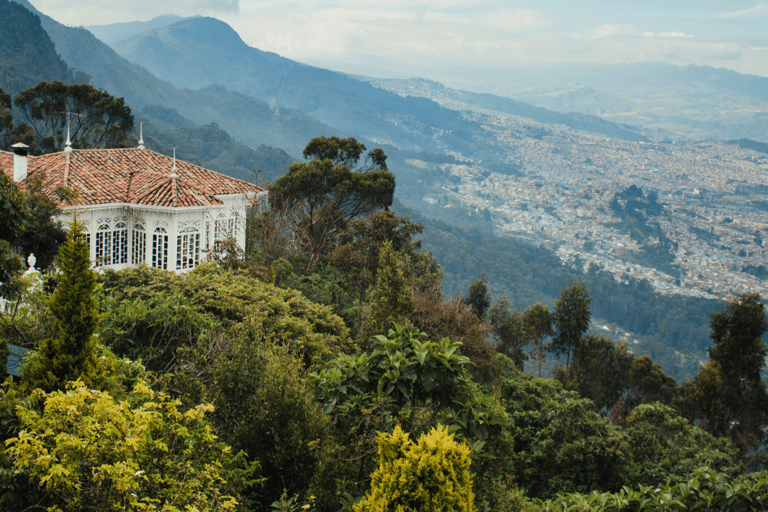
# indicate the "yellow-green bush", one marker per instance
pixel 430 476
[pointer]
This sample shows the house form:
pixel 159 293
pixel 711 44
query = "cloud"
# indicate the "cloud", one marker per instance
pixel 757 11
pixel 515 20
pixel 666 34
pixel 220 5
pixel 87 12
pixel 609 30
pixel 362 15
pixel 673 34
pixel 475 33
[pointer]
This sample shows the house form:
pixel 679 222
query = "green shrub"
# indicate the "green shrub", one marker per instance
pixel 430 476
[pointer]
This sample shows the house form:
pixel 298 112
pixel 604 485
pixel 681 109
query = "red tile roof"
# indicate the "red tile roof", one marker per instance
pixel 136 176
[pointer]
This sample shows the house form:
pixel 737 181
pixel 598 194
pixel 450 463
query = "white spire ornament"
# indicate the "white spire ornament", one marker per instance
pixel 141 135
pixel 68 148
pixel 173 171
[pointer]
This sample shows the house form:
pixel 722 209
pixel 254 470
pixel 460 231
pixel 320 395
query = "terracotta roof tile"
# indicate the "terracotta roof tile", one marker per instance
pixel 136 176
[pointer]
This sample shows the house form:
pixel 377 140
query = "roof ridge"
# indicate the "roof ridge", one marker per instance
pixel 67 157
pixel 174 192
pixel 128 182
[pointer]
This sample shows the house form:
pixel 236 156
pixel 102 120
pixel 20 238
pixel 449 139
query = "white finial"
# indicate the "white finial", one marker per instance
pixel 141 135
pixel 68 148
pixel 173 171
pixel 36 281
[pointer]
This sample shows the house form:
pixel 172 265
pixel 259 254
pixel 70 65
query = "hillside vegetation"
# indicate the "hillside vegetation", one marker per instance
pixel 305 371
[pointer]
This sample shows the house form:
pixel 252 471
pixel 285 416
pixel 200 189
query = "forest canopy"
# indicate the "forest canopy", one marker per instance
pixel 291 376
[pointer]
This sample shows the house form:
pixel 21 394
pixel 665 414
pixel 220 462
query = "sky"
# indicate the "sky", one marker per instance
pixel 472 33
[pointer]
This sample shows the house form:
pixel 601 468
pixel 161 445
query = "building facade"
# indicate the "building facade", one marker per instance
pixel 138 206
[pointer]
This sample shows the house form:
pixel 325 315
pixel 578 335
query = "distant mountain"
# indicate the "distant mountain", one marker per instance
pixel 200 52
pixel 27 54
pixel 118 31
pixel 248 120
pixel 692 101
pixel 576 121
pixel 620 77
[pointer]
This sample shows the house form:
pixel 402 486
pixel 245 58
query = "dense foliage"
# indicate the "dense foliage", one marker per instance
pixel 90 451
pixel 80 113
pixel 246 354
pixel 430 476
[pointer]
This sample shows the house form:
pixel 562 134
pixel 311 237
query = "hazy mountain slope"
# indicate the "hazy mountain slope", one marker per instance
pixel 250 121
pixel 210 147
pixel 693 101
pixel 198 52
pixel 760 147
pixel 118 31
pixel 576 121
pixel 27 54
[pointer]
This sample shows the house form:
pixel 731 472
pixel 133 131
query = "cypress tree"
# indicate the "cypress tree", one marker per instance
pixel 70 356
pixel 392 299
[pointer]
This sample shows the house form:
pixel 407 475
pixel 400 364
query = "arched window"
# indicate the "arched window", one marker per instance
pixel 188 248
pixel 138 244
pixel 120 244
pixel 103 245
pixel 222 228
pixel 160 248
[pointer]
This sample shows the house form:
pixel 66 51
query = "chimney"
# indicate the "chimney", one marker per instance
pixel 20 161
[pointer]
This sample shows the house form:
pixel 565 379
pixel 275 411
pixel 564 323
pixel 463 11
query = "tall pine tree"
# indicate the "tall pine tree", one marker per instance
pixel 70 356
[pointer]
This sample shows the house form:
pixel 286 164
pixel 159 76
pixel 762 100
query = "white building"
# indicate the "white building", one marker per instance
pixel 139 206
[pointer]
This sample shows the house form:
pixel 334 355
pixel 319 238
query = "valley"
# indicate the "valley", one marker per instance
pixel 703 240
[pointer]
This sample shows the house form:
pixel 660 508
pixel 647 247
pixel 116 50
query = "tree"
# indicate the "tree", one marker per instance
pixel 570 318
pixel 737 333
pixel 89 451
pixel 357 252
pixel 451 319
pixel 508 331
pixel 43 234
pixel 599 371
pixel 647 383
pixel 560 443
pixel 432 475
pixel 219 302
pixel 478 298
pixel 407 381
pixel 344 152
pixel 14 218
pixel 668 447
pixel 98 119
pixel 537 322
pixel 271 232
pixel 10 133
pixel 728 395
pixel 266 407
pixel 71 355
pixel 329 192
pixel 6 119
pixel 392 299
